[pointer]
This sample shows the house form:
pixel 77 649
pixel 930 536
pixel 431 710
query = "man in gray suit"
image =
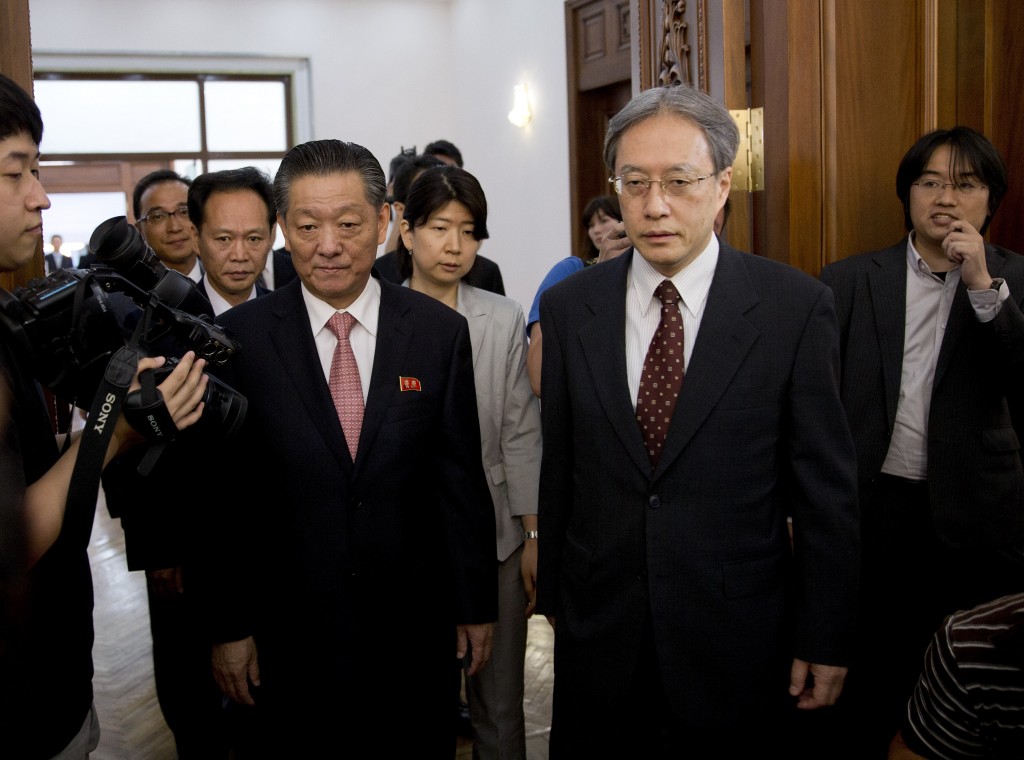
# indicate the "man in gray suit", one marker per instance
pixel 933 361
pixel 683 611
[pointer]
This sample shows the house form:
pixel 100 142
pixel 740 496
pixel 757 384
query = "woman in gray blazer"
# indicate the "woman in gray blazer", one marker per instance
pixel 444 222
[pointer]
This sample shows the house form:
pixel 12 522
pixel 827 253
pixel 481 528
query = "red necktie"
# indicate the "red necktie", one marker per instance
pixel 346 388
pixel 662 375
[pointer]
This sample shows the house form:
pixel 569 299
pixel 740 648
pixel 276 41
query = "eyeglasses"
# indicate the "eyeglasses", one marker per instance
pixel 637 185
pixel 159 216
pixel 933 187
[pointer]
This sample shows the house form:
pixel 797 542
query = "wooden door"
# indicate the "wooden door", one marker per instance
pixel 847 86
pixel 16 64
pixel 598 45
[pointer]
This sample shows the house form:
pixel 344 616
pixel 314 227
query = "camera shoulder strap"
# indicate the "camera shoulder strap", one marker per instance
pixel 99 427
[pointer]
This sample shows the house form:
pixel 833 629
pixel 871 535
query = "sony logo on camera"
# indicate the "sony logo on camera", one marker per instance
pixel 155 426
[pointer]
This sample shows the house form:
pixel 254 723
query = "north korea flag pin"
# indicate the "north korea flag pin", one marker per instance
pixel 408 384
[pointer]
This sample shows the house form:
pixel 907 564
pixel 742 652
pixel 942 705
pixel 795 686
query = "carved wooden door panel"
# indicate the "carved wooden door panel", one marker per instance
pixel 846 87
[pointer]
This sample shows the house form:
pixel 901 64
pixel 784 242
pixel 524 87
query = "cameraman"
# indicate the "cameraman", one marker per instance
pixel 46 653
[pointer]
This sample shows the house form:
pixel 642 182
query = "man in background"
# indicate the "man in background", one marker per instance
pixel 933 367
pixel 446 151
pixel 232 220
pixel 233 217
pixel 160 205
pixel 56 260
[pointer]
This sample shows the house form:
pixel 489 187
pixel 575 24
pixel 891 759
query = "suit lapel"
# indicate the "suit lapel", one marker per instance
pixel 475 312
pixel 887 282
pixel 607 367
pixel 724 340
pixel 393 342
pixel 302 363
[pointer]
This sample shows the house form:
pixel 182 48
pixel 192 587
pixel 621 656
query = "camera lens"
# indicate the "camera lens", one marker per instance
pixel 119 246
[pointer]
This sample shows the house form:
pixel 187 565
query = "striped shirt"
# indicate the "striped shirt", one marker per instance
pixel 969 701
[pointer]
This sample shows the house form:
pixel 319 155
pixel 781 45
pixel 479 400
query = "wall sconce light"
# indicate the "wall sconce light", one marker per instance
pixel 520 115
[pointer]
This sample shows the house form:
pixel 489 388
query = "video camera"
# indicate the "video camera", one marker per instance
pixel 67 325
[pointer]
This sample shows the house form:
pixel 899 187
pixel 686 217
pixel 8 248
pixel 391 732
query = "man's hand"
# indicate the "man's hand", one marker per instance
pixel 235 666
pixel 478 639
pixel 965 246
pixel 165 583
pixel 828 683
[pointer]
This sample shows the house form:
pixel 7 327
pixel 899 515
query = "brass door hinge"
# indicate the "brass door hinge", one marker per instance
pixel 748 168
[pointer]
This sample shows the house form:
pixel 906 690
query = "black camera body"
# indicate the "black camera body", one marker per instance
pixel 67 325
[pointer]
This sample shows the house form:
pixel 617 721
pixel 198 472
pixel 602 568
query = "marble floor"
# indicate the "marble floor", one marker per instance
pixel 130 719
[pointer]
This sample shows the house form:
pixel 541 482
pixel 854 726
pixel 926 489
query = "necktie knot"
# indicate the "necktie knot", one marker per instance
pixel 666 292
pixel 341 324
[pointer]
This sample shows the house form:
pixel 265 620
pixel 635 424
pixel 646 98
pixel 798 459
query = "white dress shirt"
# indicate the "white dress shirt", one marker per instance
pixel 643 308
pixel 366 310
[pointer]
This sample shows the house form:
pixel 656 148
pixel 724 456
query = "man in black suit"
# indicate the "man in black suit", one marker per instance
pixel 683 611
pixel 56 260
pixel 233 217
pixel 359 559
pixel 933 363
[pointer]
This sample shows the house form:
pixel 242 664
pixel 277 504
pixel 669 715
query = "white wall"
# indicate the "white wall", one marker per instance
pixel 387 73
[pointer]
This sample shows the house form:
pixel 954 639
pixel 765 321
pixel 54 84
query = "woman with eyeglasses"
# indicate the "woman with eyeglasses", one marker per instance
pixel 444 223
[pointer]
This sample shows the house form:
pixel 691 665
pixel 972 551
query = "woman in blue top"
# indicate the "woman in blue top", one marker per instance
pixel 604 239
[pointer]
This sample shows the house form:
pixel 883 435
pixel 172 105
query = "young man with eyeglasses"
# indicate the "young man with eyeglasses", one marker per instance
pixel 160 205
pixel 933 366
pixel 686 624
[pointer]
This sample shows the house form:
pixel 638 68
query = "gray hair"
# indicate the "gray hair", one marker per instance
pixel 320 158
pixel 681 100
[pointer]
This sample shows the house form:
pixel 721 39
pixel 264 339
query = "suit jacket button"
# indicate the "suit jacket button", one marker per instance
pixel 642 576
pixel 654 502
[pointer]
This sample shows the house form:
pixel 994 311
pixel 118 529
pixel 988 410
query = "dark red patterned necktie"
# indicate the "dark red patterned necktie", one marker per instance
pixel 662 375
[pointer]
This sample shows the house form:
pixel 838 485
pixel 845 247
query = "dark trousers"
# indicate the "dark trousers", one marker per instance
pixel 643 724
pixel 191 701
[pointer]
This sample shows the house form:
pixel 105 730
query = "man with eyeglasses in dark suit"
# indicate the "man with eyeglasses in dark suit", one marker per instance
pixel 159 202
pixel 932 365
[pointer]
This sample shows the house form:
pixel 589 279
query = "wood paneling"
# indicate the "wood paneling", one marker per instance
pixel 875 87
pixel 598 53
pixel 16 64
pixel 600 41
pixel 1004 120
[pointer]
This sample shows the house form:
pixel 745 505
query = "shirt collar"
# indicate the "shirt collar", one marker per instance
pixel 217 301
pixel 693 281
pixel 919 266
pixel 366 308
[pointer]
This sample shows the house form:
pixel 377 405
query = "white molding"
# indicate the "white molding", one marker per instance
pixel 296 67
